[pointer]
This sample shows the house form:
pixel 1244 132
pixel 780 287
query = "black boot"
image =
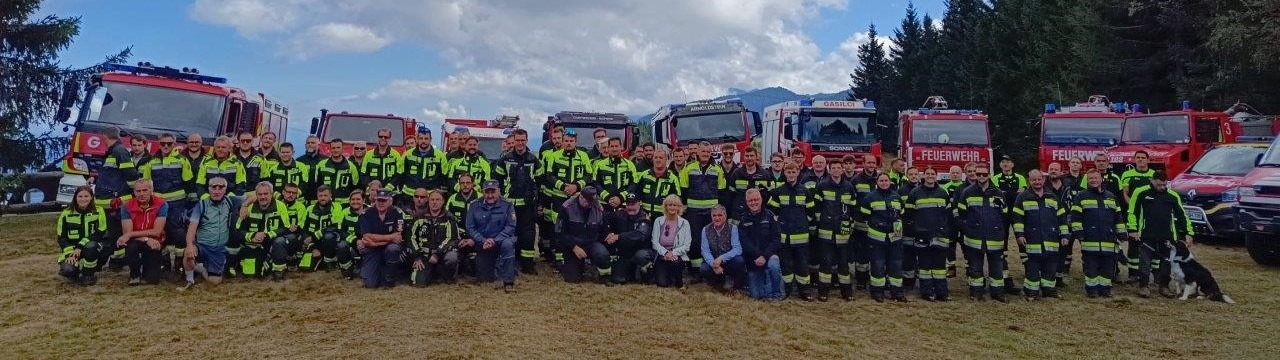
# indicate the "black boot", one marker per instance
pixel 877 295
pixel 528 267
pixel 824 289
pixel 862 278
pixel 790 291
pixel 846 292
pixel 898 295
pixel 909 284
pixel 806 293
pixel 1011 288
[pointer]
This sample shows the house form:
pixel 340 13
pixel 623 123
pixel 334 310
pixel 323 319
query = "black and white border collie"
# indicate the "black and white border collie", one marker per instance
pixel 1188 277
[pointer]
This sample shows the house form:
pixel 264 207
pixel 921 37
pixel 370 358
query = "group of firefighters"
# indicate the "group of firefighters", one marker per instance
pixel 248 208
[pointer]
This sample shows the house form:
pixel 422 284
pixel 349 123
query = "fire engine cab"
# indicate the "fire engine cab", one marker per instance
pixel 939 137
pixel 351 127
pixel 717 122
pixel 489 134
pixel 829 128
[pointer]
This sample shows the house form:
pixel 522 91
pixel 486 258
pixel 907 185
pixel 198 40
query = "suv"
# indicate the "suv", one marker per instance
pixel 1210 187
pixel 1260 207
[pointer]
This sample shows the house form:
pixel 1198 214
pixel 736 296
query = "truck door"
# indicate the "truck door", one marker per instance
pixel 1208 131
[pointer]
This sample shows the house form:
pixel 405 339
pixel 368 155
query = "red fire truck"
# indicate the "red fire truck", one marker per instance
pixel 147 101
pixel 829 128
pixel 939 137
pixel 1174 139
pixel 585 124
pixel 1080 131
pixel 489 133
pixel 350 127
pixel 717 122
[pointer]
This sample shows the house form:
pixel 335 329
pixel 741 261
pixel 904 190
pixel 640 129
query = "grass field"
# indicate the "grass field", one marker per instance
pixel 319 316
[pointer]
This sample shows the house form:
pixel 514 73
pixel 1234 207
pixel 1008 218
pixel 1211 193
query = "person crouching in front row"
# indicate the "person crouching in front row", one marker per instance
pixel 671 240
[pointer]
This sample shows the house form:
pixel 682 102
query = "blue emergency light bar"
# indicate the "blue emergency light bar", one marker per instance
pixel 869 104
pixel 924 111
pixel 1186 105
pixel 165 72
pixel 1050 108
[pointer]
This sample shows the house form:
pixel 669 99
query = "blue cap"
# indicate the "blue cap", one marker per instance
pixel 385 194
pixel 571 132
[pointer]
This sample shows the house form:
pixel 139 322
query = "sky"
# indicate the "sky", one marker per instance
pixel 478 59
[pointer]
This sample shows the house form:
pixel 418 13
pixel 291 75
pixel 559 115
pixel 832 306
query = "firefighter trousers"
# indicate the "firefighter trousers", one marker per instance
pixel 444 270
pixel 833 265
pixel 1041 273
pixel 1150 254
pixel 860 255
pixel 933 271
pixel 985 269
pixel 1099 271
pixel 526 224
pixel 886 266
pixel 795 265
pixel 574 269
pixel 911 251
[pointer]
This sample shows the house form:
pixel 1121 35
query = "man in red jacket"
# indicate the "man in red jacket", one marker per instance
pixel 142 233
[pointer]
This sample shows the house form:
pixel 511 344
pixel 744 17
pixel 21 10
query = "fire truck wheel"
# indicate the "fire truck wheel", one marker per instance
pixel 1265 250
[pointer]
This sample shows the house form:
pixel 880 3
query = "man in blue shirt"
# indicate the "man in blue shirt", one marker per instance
pixel 491 222
pixel 379 237
pixel 210 226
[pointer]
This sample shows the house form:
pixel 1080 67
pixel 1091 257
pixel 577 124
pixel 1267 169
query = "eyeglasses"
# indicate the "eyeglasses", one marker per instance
pixel 167 143
pixel 981 174
pixel 357 148
pixel 383 137
pixel 215 186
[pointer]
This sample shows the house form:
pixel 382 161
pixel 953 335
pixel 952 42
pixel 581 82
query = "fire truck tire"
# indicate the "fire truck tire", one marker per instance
pixel 1265 250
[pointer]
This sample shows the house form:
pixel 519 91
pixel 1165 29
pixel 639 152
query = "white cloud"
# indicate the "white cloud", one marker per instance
pixel 335 38
pixel 595 55
pixel 443 110
pixel 248 17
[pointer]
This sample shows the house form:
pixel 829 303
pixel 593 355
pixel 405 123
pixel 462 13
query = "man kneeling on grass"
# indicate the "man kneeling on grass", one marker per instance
pixel 379 242
pixel 722 253
pixel 211 222
pixel 491 222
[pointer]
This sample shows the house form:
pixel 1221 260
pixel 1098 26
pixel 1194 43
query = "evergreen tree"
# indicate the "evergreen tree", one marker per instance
pixel 34 86
pixel 871 80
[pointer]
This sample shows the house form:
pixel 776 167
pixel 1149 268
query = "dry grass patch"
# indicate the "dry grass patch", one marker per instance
pixel 321 316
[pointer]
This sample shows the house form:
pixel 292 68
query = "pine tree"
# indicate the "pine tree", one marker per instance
pixel 33 82
pixel 871 80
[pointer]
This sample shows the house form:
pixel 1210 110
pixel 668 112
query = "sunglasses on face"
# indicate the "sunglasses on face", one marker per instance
pixel 167 143
pixel 383 137
pixel 981 174
pixel 359 148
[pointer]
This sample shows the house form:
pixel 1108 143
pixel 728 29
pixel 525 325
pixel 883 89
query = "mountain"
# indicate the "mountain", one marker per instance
pixel 757 100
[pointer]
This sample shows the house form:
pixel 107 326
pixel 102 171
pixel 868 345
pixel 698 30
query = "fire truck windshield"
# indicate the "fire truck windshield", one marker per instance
pixel 839 128
pixel 949 132
pixel 353 128
pixel 587 139
pixel 717 128
pixel 141 107
pixel 490 147
pixel 1082 131
pixel 1156 129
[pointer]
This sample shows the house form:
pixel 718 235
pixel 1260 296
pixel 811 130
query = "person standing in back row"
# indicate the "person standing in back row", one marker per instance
pixel 1132 179
pixel 570 165
pixel 1010 184
pixel 703 183
pixel 517 172
pixel 1040 225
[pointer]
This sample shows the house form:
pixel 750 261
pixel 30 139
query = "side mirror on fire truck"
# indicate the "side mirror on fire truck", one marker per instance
pixel 757 127
pixel 659 131
pixel 1257 160
pixel 315 126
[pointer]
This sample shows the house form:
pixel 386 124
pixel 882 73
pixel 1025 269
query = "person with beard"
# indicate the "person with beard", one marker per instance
pixel 643 157
pixel 286 170
pixel 1064 190
pixel 262 220
pixel 729 157
pixel 1156 219
pixel 627 238
pixel 248 156
pixel 1040 226
pixel 139 152
pixel 290 249
pixel 834 230
pixel 337 172
pixel 311 152
pixel 193 152
pixel 423 167
pixel 172 176
pixel 267 147
pixel 656 184
pixel 863 183
pixel 569 165
pixel 613 174
pixel 320 230
pixel 927 218
pixel 582 232
pixel 748 176
pixel 516 170
pixel 980 211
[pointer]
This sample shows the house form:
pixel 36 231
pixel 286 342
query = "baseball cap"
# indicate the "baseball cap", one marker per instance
pixel 491 184
pixel 632 198
pixel 1006 157
pixel 384 194
pixel 590 191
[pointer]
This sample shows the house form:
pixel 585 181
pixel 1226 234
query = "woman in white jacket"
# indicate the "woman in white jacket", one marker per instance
pixel 671 239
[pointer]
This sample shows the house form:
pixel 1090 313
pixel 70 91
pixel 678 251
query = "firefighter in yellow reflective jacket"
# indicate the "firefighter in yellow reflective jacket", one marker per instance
pixel 613 174
pixel 1040 225
pixel 381 163
pixel 568 165
pixel 289 244
pixel 171 174
pixel 289 171
pixel 882 208
pixel 261 221
pixel 703 183
pixel 470 162
pixel 655 184
pixel 424 167
pixel 794 204
pixel 337 172
pixel 222 164
pixel 1097 223
pixel 345 250
pixel 81 231
pixel 435 243
pixel 320 227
